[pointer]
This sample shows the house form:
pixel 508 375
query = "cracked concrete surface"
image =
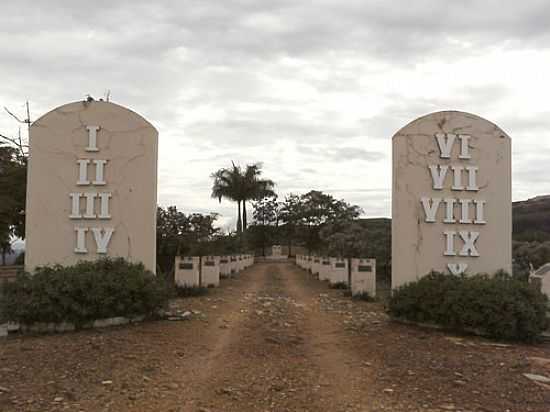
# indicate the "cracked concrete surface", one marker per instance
pixel 420 245
pixel 129 143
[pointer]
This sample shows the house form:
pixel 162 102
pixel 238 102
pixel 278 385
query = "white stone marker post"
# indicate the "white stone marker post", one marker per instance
pixel 234 266
pixel 451 199
pixel 316 265
pixel 309 263
pixel 225 266
pixel 186 273
pixel 91 186
pixel 210 275
pixel 324 268
pixel 338 271
pixel 363 277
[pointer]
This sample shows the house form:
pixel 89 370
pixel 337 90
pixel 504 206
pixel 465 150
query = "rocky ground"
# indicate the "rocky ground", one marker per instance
pixel 274 339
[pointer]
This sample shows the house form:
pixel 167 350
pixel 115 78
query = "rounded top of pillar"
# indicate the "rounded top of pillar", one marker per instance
pixel 103 107
pixel 450 121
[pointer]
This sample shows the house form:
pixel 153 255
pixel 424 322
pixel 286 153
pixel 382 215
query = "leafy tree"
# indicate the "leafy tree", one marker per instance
pixel 266 221
pixel 13 183
pixel 266 211
pixel 527 255
pixel 347 240
pixel 290 215
pixel 318 209
pixel 254 187
pixel 179 234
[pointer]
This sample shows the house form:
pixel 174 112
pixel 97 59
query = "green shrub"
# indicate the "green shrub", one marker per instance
pixel 500 307
pixel 84 292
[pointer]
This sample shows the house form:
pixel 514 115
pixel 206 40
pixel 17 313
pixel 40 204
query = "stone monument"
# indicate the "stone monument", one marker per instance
pixel 91 186
pixel 451 198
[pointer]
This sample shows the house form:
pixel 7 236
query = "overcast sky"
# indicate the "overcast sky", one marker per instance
pixel 313 89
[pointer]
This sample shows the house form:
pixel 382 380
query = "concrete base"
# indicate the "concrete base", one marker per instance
pixel 225 266
pixel 324 269
pixel 187 271
pixel 315 266
pixel 363 277
pixel 338 271
pixel 211 271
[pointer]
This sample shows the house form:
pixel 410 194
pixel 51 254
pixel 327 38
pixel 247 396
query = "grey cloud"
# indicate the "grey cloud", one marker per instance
pixel 526 123
pixel 258 127
pixel 168 60
pixel 339 154
pixel 476 99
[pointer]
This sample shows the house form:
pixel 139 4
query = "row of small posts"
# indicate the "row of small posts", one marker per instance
pixel 206 271
pixel 358 274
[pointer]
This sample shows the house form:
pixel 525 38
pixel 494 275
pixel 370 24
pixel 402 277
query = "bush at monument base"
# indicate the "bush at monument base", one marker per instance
pixel 84 292
pixel 499 307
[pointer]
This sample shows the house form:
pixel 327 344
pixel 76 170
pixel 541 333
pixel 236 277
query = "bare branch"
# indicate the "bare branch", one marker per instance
pixel 11 140
pixel 22 148
pixel 20 140
pixel 14 116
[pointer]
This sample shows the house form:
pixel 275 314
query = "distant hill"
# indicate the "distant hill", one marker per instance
pixel 531 219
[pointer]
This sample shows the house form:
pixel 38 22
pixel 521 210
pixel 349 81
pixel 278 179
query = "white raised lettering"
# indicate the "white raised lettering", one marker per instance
pixel 83 172
pixel 457 178
pixel 445 142
pixel 464 148
pixel 450 243
pixel 469 239
pixel 102 238
pixel 430 210
pixel 80 240
pixel 75 206
pixel 438 175
pixel 480 218
pixel 99 172
pixel 92 138
pixel 104 205
pixel 465 211
pixel 90 205
pixel 472 178
pixel 449 210
pixel 457 268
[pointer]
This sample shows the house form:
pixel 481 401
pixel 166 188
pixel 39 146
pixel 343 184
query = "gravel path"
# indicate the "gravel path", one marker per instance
pixel 274 339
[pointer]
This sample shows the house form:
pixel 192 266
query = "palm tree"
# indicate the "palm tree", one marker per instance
pixel 228 184
pixel 254 187
pixel 238 186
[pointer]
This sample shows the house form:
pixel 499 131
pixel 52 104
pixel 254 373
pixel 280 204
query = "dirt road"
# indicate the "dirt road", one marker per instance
pixel 274 339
